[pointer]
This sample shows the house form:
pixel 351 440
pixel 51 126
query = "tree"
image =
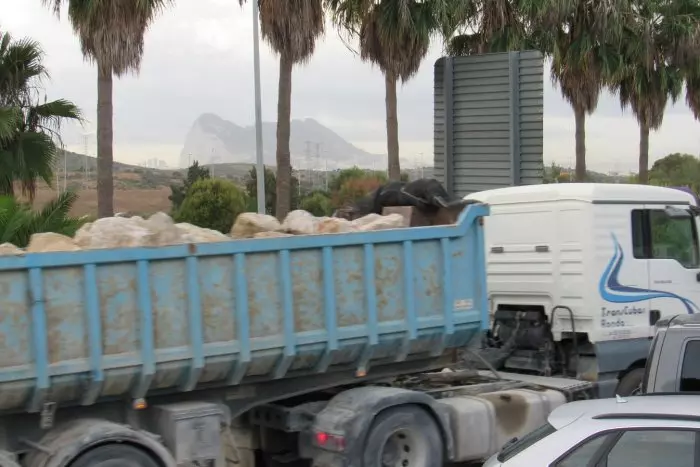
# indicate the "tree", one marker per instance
pixel 582 38
pixel 18 222
pixel 339 179
pixel 179 192
pixel 111 35
pixel 355 188
pixel 251 187
pixel 213 204
pixel 29 124
pixel 395 36
pixel 487 26
pixel 677 169
pixel 661 38
pixel 317 203
pixel 291 27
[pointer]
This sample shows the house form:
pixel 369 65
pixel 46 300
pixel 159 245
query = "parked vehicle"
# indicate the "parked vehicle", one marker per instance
pixel 578 274
pixel 307 347
pixel 642 431
pixel 674 359
pixel 325 348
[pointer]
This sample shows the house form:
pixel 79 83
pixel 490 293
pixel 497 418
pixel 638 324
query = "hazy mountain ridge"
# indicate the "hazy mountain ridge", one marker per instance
pixel 212 139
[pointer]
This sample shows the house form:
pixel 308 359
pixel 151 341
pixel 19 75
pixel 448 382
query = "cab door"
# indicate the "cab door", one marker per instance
pixel 671 244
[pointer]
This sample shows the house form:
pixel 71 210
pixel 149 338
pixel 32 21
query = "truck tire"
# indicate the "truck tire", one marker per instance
pixel 631 383
pixel 115 455
pixel 404 436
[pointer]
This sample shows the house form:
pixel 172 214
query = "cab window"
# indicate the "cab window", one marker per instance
pixel 655 235
pixel 690 370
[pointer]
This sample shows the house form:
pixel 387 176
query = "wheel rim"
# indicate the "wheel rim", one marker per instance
pixel 403 449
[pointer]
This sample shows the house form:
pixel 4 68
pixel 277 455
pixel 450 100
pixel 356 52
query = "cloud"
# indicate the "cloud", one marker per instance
pixel 198 58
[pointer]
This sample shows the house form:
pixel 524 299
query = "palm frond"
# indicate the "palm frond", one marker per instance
pixel 291 27
pixel 18 221
pixel 52 114
pixel 692 95
pixel 111 33
pixel 10 119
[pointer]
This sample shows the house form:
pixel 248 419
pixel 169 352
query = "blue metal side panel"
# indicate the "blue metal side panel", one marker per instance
pixel 81 325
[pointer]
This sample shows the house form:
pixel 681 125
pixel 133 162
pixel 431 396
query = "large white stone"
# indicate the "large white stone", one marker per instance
pixel 50 241
pixel 300 222
pixel 116 232
pixel 8 249
pixel 192 234
pixel 329 225
pixel 392 221
pixel 250 223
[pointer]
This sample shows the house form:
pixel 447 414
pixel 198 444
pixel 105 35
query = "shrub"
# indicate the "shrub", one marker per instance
pixel 317 204
pixel 179 191
pixel 354 173
pixel 18 221
pixel 356 188
pixel 213 204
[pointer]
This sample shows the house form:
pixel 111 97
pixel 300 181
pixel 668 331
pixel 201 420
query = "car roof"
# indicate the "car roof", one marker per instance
pixel 656 406
pixel 685 320
pixel 586 192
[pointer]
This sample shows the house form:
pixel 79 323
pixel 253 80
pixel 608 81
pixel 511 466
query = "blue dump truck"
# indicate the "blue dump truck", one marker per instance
pixel 324 350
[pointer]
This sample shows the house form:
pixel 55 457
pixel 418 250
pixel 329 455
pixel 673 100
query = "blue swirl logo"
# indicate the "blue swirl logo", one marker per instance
pixel 612 291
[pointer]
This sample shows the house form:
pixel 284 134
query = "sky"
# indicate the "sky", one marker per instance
pixel 199 58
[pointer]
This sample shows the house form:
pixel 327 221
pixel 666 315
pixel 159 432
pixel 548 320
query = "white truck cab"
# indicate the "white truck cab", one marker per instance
pixel 581 272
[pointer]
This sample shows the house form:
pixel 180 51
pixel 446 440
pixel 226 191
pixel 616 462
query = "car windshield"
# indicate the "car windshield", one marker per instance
pixel 516 446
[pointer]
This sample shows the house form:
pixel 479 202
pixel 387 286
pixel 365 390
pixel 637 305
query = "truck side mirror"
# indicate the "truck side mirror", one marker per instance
pixel 654 317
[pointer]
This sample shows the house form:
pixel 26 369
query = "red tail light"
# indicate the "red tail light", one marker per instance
pixel 330 441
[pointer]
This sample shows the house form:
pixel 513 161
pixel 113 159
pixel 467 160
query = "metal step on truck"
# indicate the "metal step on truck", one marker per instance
pixel 325 350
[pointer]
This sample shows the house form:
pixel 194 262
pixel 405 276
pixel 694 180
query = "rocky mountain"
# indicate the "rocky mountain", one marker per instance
pixel 312 145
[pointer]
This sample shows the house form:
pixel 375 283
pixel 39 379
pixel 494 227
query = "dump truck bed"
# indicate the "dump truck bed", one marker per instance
pixel 77 327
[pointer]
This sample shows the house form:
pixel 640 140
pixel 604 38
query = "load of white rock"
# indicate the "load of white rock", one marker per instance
pixel 160 230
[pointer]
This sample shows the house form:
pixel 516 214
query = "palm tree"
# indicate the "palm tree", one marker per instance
pixel 395 36
pixel 487 26
pixel 647 92
pixel 660 40
pixel 585 51
pixel 29 136
pixel 291 27
pixel 111 34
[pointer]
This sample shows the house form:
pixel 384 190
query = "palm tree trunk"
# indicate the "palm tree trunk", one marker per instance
pixel 284 112
pixel 105 137
pixel 580 119
pixel 392 128
pixel 643 153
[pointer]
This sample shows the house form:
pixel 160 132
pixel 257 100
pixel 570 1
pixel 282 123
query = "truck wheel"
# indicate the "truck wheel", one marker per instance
pixel 115 455
pixel 403 437
pixel 631 383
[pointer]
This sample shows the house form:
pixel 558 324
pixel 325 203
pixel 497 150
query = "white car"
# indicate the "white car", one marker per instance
pixel 643 431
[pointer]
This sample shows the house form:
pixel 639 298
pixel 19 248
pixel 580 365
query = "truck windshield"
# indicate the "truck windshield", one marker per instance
pixel 516 446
